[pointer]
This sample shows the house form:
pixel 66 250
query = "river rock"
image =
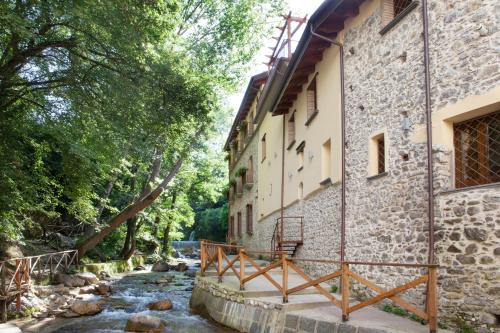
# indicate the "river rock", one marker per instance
pixel 190 273
pixel 103 289
pixel 160 266
pixel 162 305
pixel 88 290
pixel 69 280
pixel 87 308
pixel 104 275
pixel 181 267
pixel 145 323
pixel 140 268
pixel 90 278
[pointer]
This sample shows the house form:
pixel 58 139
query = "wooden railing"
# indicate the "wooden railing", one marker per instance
pixel 215 254
pixel 16 275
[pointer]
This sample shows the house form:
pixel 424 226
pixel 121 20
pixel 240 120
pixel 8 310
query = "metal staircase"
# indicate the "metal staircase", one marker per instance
pixel 287 236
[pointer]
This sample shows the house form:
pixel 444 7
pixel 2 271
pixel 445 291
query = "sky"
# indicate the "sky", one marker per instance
pixel 298 8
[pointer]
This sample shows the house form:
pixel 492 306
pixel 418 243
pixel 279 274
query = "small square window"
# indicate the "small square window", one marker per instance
pixel 393 11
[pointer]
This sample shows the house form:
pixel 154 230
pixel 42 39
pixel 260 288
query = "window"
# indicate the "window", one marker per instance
pixel 249 173
pixel 231 226
pixel 239 225
pixel 291 130
pixel 393 11
pixel 477 151
pixel 377 155
pixel 250 128
pixel 263 147
pixel 326 160
pixel 312 101
pixel 300 155
pixel 381 154
pixel 249 219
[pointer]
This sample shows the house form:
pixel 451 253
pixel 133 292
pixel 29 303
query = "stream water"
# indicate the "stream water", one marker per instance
pixel 131 295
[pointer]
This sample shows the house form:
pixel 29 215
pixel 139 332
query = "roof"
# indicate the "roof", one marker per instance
pixel 253 87
pixel 327 20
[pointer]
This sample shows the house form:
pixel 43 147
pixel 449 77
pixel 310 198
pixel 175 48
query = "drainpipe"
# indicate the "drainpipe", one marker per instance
pixel 282 210
pixel 428 111
pixel 342 111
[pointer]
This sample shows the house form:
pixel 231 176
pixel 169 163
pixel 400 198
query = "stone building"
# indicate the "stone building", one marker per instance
pixel 295 115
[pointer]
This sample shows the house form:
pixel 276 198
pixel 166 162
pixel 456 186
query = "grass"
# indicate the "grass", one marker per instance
pixel 395 310
pixel 463 327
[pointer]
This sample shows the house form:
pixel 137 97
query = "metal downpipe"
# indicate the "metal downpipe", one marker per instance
pixel 428 111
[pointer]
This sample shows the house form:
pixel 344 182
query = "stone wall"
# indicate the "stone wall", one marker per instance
pixel 249 193
pixel 386 216
pixel 468 248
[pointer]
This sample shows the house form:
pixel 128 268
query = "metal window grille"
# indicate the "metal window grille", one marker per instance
pixel 381 154
pixel 477 151
pixel 239 225
pixel 249 219
pixel 400 5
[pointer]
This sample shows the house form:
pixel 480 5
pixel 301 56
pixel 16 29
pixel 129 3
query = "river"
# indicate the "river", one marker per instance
pixel 131 295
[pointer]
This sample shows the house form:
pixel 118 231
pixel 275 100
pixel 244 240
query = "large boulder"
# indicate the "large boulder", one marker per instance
pixel 162 305
pixel 87 308
pixel 71 281
pixel 181 267
pixel 89 278
pixel 161 266
pixel 103 289
pixel 145 323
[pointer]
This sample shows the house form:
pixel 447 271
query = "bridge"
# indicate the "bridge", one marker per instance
pixel 17 274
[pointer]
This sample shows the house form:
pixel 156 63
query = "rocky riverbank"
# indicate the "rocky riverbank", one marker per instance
pixel 137 301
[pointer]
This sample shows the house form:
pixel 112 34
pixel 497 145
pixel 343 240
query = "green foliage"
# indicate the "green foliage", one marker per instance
pixel 241 171
pixel 403 313
pixel 395 310
pixel 91 92
pixel 212 223
pixel 464 327
pixel 334 288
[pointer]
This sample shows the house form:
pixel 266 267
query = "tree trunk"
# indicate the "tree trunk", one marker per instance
pixel 130 211
pixel 130 242
pixel 166 232
pixel 166 236
pixel 88 228
pixel 128 237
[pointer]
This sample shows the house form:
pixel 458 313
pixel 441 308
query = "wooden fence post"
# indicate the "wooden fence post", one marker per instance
pixel 51 273
pixel 432 299
pixel 345 292
pixel 242 268
pixel 27 270
pixel 18 285
pixel 284 287
pixel 202 257
pixel 219 263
